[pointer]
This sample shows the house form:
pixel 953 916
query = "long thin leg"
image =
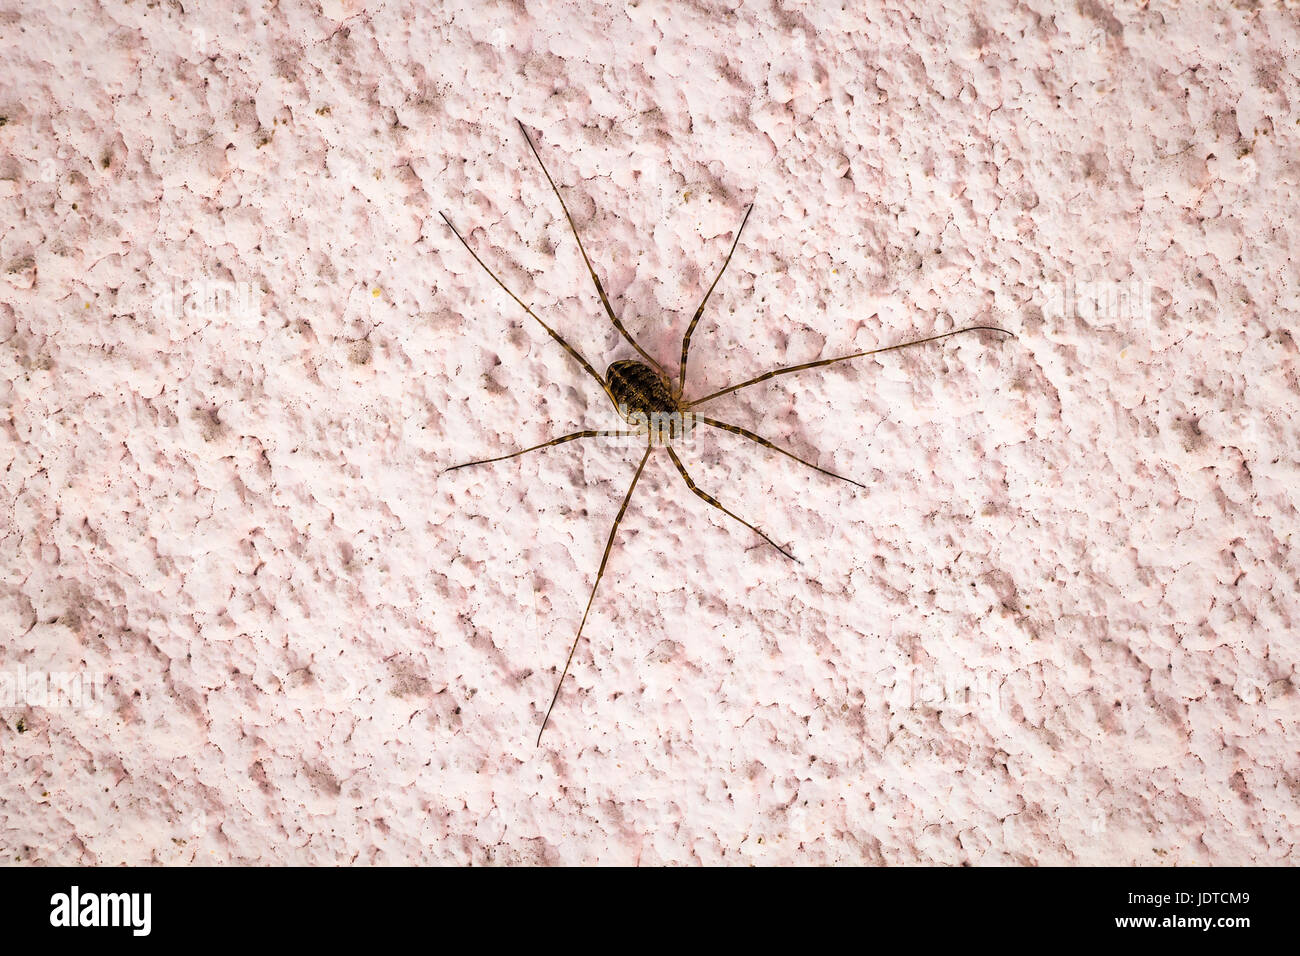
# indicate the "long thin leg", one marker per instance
pixel 554 334
pixel 842 358
pixel 686 339
pixel 599 574
pixel 681 470
pixel 600 289
pixel 545 444
pixel 767 444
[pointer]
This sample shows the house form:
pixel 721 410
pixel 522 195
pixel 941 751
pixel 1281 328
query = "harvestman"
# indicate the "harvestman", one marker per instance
pixel 641 393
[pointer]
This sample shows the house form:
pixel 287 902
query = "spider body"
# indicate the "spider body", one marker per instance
pixel 639 388
pixel 647 400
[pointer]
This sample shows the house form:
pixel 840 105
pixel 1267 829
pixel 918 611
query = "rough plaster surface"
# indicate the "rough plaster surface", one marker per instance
pixel 1058 627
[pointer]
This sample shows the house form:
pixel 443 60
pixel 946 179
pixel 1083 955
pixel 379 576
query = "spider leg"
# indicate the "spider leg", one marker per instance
pixel 681 470
pixel 554 334
pixel 600 289
pixel 686 339
pixel 599 574
pixel 545 444
pixel 767 444
pixel 842 358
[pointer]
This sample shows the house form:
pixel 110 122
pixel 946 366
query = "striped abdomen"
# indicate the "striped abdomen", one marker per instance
pixel 639 388
pixel 645 400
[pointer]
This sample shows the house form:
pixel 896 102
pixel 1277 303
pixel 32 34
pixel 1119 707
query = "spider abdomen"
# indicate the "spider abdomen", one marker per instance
pixel 645 399
pixel 639 388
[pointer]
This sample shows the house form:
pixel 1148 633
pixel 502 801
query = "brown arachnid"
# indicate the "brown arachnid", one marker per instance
pixel 644 396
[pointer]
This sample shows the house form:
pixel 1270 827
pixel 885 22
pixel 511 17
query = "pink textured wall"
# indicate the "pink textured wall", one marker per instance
pixel 1058 626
